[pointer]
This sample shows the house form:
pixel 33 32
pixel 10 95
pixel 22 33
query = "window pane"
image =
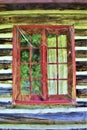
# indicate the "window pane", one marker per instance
pixel 62 41
pixel 63 86
pixel 36 71
pixel 24 56
pixel 35 55
pixel 24 71
pixel 36 87
pixel 25 40
pixel 25 87
pixel 62 55
pixel 36 40
pixel 51 55
pixel 52 71
pixel 62 71
pixel 52 87
pixel 51 40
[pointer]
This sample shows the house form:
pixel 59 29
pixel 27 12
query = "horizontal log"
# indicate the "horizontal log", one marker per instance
pixel 43 12
pixel 81 80
pixel 5 52
pixel 34 6
pixel 81 93
pixel 43 1
pixel 81 104
pixel 4 91
pixel 55 118
pixel 80 32
pixel 70 17
pixel 81 66
pixel 45 21
pixel 5 66
pixel 81 42
pixel 5 41
pixel 5 77
pixel 81 53
pixel 43 18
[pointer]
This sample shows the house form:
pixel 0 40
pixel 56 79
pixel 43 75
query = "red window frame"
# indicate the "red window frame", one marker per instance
pixel 69 98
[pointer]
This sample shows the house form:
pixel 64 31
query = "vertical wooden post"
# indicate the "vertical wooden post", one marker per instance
pixel 74 65
pixel 44 65
pixel 14 66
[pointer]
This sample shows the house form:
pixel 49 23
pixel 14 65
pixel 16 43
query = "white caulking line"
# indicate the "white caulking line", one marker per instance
pixel 81 48
pixel 6 46
pixel 81 59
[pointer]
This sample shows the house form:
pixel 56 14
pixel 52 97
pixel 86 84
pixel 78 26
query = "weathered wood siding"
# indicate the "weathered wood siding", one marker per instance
pixel 55 116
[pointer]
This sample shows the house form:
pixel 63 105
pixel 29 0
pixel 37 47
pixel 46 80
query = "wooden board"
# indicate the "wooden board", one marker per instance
pixel 43 1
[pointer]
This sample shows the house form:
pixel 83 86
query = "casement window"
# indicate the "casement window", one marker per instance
pixel 43 65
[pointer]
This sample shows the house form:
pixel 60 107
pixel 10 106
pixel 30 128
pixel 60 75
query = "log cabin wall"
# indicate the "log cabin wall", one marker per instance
pixel 72 117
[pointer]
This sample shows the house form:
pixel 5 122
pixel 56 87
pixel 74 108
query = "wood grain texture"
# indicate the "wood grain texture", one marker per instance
pixel 45 6
pixel 81 42
pixel 44 17
pixel 55 118
pixel 43 1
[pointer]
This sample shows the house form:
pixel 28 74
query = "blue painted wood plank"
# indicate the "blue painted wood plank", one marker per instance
pixel 5 90
pixel 77 117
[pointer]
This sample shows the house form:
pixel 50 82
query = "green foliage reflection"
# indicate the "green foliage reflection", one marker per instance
pixel 24 71
pixel 24 56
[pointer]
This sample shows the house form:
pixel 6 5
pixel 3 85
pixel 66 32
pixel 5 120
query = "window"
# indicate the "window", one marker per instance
pixel 43 65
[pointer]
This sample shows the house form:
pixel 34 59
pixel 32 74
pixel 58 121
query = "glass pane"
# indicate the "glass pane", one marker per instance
pixel 25 40
pixel 25 87
pixel 24 56
pixel 52 71
pixel 62 41
pixel 62 71
pixel 63 86
pixel 52 87
pixel 36 87
pixel 62 55
pixel 35 55
pixel 51 40
pixel 36 71
pixel 51 55
pixel 36 40
pixel 24 71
